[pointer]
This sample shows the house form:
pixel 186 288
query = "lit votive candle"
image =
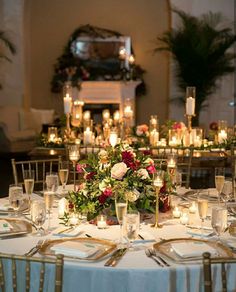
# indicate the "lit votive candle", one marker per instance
pixel 184 219
pixel 102 221
pixel 193 208
pixel 74 219
pixel 176 212
pixel 62 207
pixel 171 163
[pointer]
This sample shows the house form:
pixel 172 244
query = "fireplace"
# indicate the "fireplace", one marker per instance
pixel 98 95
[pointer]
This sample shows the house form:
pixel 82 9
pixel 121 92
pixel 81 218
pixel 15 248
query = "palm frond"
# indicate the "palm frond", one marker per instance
pixel 7 42
pixel 200 49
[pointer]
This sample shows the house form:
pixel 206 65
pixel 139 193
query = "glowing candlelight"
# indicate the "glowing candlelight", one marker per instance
pixel 222 135
pixel 176 212
pixel 154 137
pixel 131 59
pixel 106 114
pixel 128 112
pixel 88 134
pixel 62 207
pixel 74 219
pixel 193 208
pixel 184 219
pixel 86 115
pixel 116 116
pixel 113 138
pixel 67 104
pixel 171 163
pixel 102 221
pixel 190 106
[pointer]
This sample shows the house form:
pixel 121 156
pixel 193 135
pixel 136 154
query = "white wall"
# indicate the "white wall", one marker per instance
pixel 219 108
pixel 11 74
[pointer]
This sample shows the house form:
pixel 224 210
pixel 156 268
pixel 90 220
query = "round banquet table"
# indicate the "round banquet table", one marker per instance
pixel 135 272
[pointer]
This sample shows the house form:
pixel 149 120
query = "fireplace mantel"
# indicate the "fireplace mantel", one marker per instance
pixel 107 92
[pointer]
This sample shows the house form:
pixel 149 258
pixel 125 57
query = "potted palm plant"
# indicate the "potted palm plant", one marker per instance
pixel 9 45
pixel 199 47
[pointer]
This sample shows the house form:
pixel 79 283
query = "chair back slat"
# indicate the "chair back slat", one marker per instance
pixel 14 279
pixel 27 276
pixel 2 283
pixel 57 263
pixel 39 166
pixel 41 280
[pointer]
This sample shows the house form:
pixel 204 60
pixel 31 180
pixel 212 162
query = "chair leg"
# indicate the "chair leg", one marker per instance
pixel 207 272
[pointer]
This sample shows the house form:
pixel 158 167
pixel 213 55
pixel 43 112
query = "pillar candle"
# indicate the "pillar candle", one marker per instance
pixel 67 104
pixel 190 106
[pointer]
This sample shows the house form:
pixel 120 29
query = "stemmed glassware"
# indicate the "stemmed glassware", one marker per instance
pixel 219 220
pixel 219 180
pixel 16 198
pixel 74 155
pixel 202 210
pixel 158 179
pixel 29 176
pixel 52 181
pixel 121 210
pixel 49 199
pixel 131 225
pixel 38 215
pixel 63 174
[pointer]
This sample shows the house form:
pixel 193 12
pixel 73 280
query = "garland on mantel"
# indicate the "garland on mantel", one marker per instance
pixel 71 68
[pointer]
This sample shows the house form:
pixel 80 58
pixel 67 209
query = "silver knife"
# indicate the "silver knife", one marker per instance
pixel 116 256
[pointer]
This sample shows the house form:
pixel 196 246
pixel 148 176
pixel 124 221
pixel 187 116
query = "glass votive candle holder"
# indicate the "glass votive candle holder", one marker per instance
pixel 74 220
pixel 193 208
pixel 184 219
pixel 176 212
pixel 101 221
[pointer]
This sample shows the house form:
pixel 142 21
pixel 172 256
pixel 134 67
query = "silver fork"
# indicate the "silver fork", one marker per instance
pixel 150 255
pixel 35 248
pixel 155 254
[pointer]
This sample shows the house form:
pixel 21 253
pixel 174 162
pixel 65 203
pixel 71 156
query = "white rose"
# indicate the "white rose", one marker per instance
pixel 132 196
pixel 143 173
pixel 149 161
pixel 119 170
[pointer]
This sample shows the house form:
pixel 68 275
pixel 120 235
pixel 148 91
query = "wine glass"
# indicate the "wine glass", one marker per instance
pixel 202 210
pixel 49 200
pixel 219 180
pixel 121 210
pixel 38 215
pixel 52 181
pixel 74 155
pixel 16 198
pixel 131 225
pixel 63 174
pixel 29 176
pixel 219 220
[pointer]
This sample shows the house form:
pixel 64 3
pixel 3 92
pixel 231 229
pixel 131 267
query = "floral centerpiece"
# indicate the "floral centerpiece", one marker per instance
pixel 113 171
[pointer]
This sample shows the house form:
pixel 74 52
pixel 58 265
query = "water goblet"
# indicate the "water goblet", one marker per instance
pixel 16 198
pixel 219 220
pixel 49 200
pixel 29 176
pixel 219 180
pixel 38 215
pixel 74 155
pixel 52 181
pixel 131 225
pixel 121 210
pixel 63 174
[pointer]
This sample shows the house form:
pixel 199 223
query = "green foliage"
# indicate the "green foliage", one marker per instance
pixel 199 47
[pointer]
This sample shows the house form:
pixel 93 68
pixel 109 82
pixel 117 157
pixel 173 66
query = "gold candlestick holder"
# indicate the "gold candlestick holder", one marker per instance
pixel 157 183
pixel 189 122
pixel 156 224
pixel 68 129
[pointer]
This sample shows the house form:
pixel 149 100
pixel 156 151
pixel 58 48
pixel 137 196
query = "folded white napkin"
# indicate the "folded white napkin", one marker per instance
pixel 4 207
pixel 5 226
pixel 192 249
pixel 66 232
pixel 198 232
pixel 145 235
pixel 76 249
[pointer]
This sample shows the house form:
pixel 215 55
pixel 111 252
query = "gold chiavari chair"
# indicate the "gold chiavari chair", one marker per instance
pixel 207 271
pixel 184 160
pixel 233 169
pixel 41 167
pixel 21 266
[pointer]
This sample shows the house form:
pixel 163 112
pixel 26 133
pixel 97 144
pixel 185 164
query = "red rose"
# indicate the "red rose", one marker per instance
pixel 90 175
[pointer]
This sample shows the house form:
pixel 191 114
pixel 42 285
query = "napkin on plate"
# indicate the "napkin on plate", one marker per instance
pixel 192 249
pixel 199 232
pixel 76 249
pixel 144 237
pixel 5 226
pixel 66 232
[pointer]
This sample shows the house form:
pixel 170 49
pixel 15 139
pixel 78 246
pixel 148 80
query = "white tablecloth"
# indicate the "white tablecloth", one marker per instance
pixel 135 272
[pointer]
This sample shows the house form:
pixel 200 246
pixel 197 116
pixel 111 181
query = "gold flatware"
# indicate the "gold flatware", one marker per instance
pixel 35 248
pixel 66 230
pixel 115 258
pixel 150 255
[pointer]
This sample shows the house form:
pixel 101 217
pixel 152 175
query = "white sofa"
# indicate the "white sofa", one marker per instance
pixel 19 128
